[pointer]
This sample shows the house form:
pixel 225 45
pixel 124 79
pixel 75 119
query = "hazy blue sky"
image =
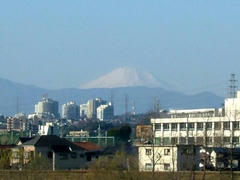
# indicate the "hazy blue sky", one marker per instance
pixel 192 44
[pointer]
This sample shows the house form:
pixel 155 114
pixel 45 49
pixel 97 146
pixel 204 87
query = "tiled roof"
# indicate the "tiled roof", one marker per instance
pixel 89 146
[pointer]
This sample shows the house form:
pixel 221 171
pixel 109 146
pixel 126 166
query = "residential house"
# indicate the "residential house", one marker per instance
pixel 62 153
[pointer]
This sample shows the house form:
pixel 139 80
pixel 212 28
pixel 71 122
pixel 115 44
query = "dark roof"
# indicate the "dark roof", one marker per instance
pixel 89 146
pixel 53 142
pixel 24 139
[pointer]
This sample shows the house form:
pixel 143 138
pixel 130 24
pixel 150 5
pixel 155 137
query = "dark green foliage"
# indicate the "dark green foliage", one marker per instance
pixel 5 159
pixel 121 134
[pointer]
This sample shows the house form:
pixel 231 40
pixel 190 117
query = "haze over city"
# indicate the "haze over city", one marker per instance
pixel 191 45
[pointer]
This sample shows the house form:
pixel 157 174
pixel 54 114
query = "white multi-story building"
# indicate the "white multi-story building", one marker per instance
pixel 47 108
pixel 209 127
pixel 83 110
pixel 70 110
pixel 105 112
pixel 93 104
pixel 168 158
pixel 48 129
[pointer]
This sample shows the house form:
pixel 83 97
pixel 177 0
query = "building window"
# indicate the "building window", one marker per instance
pixel 63 156
pixel 226 125
pixel 209 140
pixel 217 126
pixel 191 140
pixel 209 126
pixel 166 151
pixel 174 126
pixel 89 158
pixel 148 166
pixel 166 166
pixel 182 126
pixel 217 141
pixel 199 140
pixel 81 155
pixel 173 140
pixel 74 155
pixel 226 140
pixel 158 127
pixel 166 141
pixel 199 126
pixel 148 152
pixel 166 126
pixel 235 125
pixel 182 140
pixel 191 126
pixel 158 141
pixel 235 140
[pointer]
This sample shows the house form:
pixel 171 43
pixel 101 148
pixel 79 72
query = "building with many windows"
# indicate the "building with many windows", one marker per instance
pixel 47 108
pixel 169 158
pixel 70 110
pixel 105 112
pixel 208 127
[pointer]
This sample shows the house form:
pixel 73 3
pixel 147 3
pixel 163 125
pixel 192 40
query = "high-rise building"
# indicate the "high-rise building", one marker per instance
pixel 70 110
pixel 47 108
pixel 83 110
pixel 93 104
pixel 105 112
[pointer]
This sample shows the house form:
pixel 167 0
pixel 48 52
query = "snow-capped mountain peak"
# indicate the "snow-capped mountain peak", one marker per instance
pixel 124 77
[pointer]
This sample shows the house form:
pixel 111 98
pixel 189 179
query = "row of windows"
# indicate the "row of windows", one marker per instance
pixel 199 125
pixel 148 166
pixel 148 152
pixel 197 140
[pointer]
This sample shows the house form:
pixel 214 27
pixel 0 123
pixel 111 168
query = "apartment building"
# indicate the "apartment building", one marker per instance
pixel 169 157
pixel 210 127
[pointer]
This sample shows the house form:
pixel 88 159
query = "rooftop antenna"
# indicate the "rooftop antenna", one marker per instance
pixel 232 86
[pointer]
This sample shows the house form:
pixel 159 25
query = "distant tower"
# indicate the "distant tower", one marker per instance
pixel 232 86
pixel 126 106
pixel 112 97
pixel 156 106
pixel 17 105
pixel 133 108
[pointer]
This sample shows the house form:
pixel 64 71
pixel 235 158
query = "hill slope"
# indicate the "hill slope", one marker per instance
pixel 142 96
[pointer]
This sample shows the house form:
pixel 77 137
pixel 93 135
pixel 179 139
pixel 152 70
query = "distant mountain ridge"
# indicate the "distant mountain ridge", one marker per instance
pixel 125 77
pixel 142 97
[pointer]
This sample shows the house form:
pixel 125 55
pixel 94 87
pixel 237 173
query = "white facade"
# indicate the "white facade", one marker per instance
pixel 47 108
pixel 211 127
pixel 105 112
pixel 168 158
pixel 48 129
pixel 83 110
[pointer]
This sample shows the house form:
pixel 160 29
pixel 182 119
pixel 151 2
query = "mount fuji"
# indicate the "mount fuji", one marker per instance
pixel 126 77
